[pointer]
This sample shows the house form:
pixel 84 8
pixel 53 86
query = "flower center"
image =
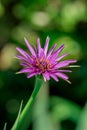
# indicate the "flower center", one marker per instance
pixel 43 64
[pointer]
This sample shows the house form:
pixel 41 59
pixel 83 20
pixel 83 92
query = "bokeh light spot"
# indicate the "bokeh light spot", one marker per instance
pixel 12 106
pixel 40 19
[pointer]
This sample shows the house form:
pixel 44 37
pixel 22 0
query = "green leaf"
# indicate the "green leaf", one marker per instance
pixel 82 124
pixel 17 119
pixel 5 125
pixel 63 109
pixel 23 119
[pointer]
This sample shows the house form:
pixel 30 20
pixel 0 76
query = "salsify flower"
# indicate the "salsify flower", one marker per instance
pixel 41 61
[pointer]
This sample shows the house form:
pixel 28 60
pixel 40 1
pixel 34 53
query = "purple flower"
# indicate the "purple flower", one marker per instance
pixel 40 61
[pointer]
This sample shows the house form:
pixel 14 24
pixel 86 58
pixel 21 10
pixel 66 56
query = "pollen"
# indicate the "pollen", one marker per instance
pixel 43 64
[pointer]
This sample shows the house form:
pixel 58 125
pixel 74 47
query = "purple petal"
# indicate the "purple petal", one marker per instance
pixel 70 61
pixel 61 75
pixel 46 75
pixel 31 75
pixel 64 71
pixel 39 46
pixel 42 55
pixel 60 65
pixel 35 49
pixel 40 50
pixel 26 70
pixel 26 64
pixel 55 54
pixel 30 47
pixel 22 52
pixel 21 57
pixel 51 50
pixel 64 63
pixel 46 45
pixel 24 58
pixel 54 77
pixel 61 57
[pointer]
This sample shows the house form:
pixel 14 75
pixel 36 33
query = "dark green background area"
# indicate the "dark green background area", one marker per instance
pixel 61 105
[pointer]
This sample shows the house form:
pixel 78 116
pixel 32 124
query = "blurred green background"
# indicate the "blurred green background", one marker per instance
pixel 59 106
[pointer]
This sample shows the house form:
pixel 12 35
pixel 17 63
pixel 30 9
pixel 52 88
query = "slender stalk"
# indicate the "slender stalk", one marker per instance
pixel 23 121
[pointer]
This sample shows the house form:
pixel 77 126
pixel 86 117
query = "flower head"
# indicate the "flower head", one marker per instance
pixel 40 61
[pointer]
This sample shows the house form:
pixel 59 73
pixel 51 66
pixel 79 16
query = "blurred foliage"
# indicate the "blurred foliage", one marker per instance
pixel 60 106
pixel 82 124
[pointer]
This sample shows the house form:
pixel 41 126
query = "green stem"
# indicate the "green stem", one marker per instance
pixel 23 121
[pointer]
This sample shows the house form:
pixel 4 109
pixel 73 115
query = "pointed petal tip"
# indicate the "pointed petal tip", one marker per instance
pixel 63 45
pixel 68 81
pixel 14 57
pixel 46 76
pixel 25 39
pixel 17 48
pixel 65 70
pixel 72 66
pixel 48 37
pixel 44 79
pixel 38 40
pixel 46 45
pixel 55 45
pixel 31 74
pixel 57 80
pixel 75 61
pixel 18 72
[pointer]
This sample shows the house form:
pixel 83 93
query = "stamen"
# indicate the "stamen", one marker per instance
pixel 43 64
